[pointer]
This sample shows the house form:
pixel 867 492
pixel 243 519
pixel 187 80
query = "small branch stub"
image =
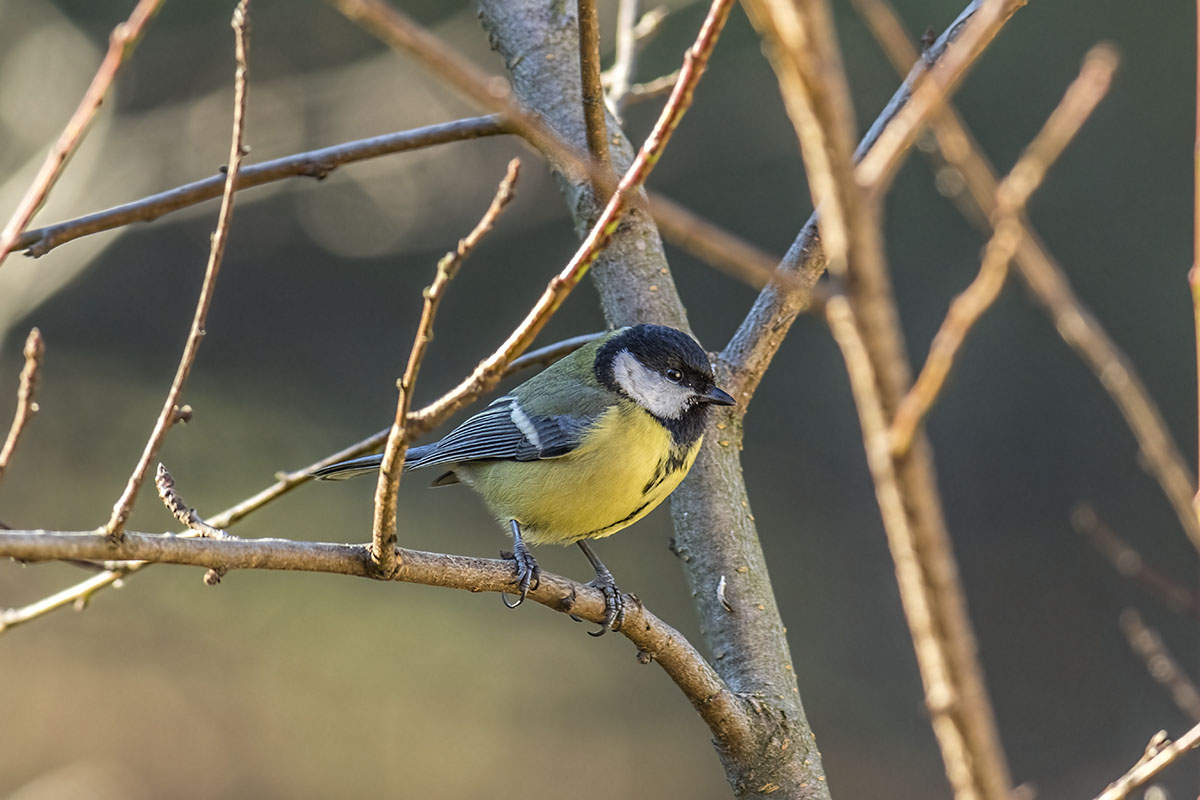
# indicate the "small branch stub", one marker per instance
pixel 26 404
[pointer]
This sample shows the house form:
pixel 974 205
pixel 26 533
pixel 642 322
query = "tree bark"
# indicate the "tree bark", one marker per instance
pixel 715 532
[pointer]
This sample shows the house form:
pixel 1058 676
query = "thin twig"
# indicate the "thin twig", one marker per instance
pixel 1160 753
pixel 26 388
pixel 1077 326
pixel 1162 667
pixel 316 164
pixel 488 371
pixel 595 122
pixel 419 424
pixel 124 505
pixel 165 483
pixel 121 43
pixel 695 235
pixel 801 45
pixel 383 528
pixel 876 167
pixel 1129 563
pixel 1080 99
pixel 620 74
pixel 655 87
pixel 758 338
pixel 656 640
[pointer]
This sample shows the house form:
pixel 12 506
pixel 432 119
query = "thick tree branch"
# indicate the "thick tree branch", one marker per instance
pixel 383 529
pixel 715 532
pixel 26 388
pixel 655 640
pixel 167 417
pixel 316 164
pixel 121 43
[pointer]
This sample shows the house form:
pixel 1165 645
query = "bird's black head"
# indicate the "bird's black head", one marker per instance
pixel 665 372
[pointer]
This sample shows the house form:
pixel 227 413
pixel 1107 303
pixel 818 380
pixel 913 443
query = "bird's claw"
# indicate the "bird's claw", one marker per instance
pixel 528 574
pixel 614 604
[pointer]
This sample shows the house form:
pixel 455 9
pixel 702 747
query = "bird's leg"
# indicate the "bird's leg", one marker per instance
pixel 614 603
pixel 529 575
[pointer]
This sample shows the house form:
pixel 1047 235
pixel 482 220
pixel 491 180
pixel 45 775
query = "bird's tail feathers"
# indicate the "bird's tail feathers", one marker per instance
pixel 364 466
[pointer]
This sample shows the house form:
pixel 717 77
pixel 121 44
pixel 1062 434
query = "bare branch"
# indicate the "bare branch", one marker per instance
pixel 121 43
pixel 26 387
pixel 1129 563
pixel 595 120
pixel 1162 667
pixel 1160 753
pixel 487 373
pixel 620 75
pixel 419 424
pixel 1077 326
pixel 929 93
pixel 166 418
pixel 701 238
pixel 655 640
pixel 383 529
pixel 165 483
pixel 758 338
pixel 655 87
pixel 1077 104
pixel 802 48
pixel 316 164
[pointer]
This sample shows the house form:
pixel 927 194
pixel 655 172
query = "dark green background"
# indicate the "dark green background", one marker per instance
pixel 308 685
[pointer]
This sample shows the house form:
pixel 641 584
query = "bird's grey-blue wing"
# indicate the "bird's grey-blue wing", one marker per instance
pixel 503 431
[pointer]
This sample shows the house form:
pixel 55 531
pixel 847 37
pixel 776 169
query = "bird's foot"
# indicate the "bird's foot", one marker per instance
pixel 528 574
pixel 614 603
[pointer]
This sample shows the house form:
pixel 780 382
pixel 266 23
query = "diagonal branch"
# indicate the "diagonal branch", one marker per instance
pixel 803 51
pixel 655 640
pixel 1161 665
pixel 383 529
pixel 1129 563
pixel 701 238
pixel 167 417
pixel 1077 104
pixel 316 164
pixel 1160 754
pixel 753 346
pixel 26 387
pixel 1077 326
pixel 121 43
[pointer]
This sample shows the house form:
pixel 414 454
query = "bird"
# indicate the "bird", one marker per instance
pixel 583 449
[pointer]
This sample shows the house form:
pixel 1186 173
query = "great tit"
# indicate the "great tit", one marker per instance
pixel 583 449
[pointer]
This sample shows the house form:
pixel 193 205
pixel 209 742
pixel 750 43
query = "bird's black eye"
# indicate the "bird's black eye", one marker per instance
pixel 674 375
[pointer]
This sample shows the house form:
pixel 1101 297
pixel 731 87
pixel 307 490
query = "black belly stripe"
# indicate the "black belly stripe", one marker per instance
pixel 656 479
pixel 636 511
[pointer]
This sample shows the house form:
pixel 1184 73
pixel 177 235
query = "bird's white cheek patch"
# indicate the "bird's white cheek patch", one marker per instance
pixel 648 389
pixel 525 425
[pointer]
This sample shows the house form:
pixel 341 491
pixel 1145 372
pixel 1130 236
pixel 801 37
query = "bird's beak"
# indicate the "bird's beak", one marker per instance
pixel 719 397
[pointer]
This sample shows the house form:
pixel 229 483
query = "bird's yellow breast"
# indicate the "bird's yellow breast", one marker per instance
pixel 627 465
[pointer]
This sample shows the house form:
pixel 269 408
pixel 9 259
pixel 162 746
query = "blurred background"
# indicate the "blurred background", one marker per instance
pixel 281 685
